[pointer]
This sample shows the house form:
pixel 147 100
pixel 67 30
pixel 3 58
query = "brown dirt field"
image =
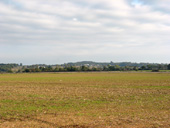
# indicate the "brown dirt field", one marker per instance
pixel 85 100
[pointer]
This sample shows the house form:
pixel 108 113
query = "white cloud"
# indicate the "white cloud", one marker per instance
pixel 99 28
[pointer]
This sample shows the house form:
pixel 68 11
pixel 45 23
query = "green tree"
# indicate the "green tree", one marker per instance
pixel 135 68
pixel 117 67
pixel 168 66
pixel 84 68
pixel 27 70
pixel 105 68
pixel 143 68
pixel 149 67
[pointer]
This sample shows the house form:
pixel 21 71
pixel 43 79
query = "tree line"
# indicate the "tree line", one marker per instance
pixel 84 68
pixel 7 67
pixel 69 68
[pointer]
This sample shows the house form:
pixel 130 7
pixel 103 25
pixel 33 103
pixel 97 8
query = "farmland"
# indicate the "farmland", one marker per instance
pixel 82 100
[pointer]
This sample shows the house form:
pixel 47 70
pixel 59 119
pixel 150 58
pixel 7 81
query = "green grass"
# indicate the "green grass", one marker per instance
pixel 136 96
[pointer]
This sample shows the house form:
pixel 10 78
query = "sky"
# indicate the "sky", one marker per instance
pixel 61 31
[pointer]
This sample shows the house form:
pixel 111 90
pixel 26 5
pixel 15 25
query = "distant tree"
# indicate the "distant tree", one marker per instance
pixel 94 69
pixel 122 69
pixel 105 68
pixel 42 69
pixel 19 71
pixel 7 67
pixel 159 66
pixel 10 71
pixel 56 69
pixel 49 69
pixel 84 68
pixel 135 68
pixel 37 70
pixel 149 67
pixel 27 70
pixel 117 67
pixel 111 68
pixel 61 70
pixel 126 68
pixel 70 68
pixel 168 66
pixel 143 68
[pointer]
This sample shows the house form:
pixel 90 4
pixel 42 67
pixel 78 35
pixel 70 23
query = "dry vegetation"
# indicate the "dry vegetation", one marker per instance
pixel 85 100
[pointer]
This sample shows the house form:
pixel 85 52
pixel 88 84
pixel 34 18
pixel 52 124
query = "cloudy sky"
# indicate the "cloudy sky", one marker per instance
pixel 59 31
